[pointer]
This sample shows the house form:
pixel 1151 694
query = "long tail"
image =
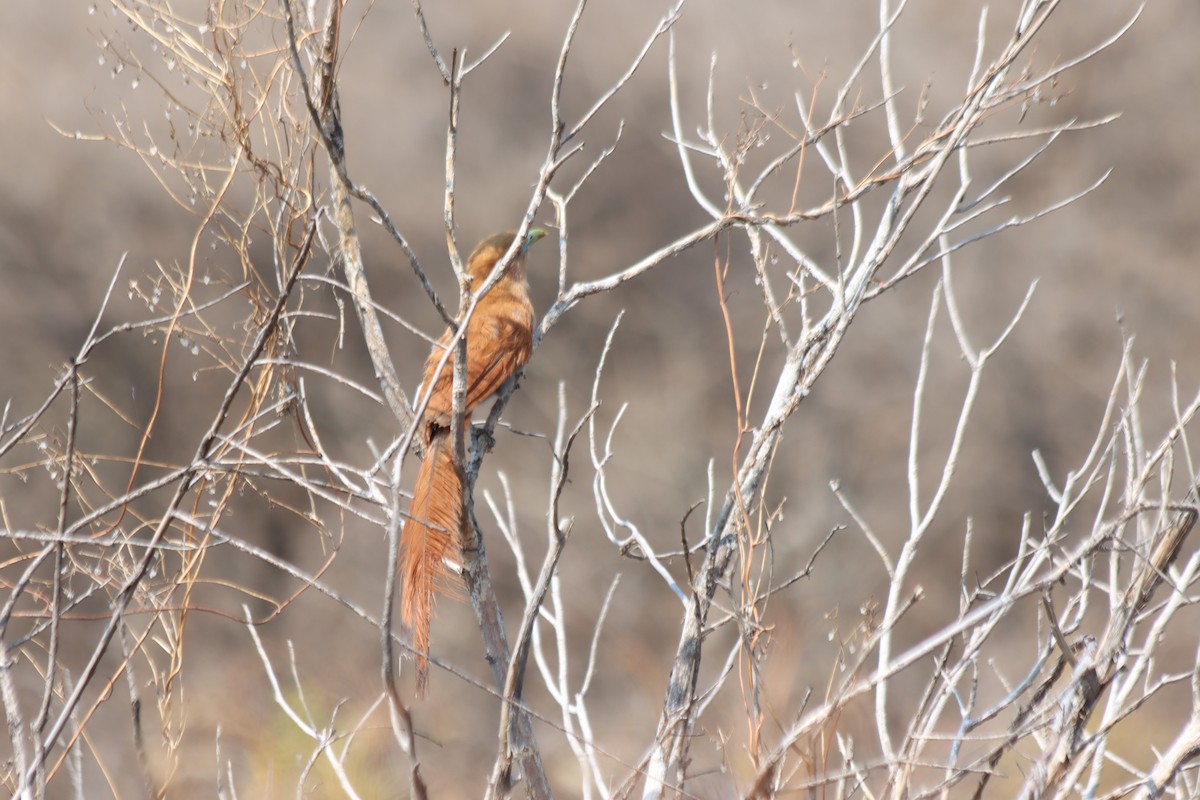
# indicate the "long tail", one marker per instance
pixel 430 534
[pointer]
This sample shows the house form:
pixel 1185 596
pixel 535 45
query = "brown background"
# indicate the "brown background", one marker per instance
pixel 1120 260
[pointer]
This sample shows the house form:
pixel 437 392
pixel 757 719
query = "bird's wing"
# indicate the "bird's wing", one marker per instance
pixel 496 346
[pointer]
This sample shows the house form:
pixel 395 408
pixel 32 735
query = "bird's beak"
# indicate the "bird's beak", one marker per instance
pixel 532 237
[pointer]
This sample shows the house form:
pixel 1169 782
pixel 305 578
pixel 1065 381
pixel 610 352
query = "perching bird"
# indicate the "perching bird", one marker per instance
pixel 499 340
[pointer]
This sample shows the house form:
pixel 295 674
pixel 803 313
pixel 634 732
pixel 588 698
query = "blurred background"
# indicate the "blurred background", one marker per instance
pixel 1118 263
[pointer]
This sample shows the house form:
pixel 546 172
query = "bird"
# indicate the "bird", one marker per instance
pixel 499 341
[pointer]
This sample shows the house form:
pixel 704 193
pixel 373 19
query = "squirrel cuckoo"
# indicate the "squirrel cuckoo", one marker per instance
pixel 499 340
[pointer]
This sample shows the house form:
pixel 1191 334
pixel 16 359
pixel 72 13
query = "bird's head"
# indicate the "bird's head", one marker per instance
pixel 485 255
